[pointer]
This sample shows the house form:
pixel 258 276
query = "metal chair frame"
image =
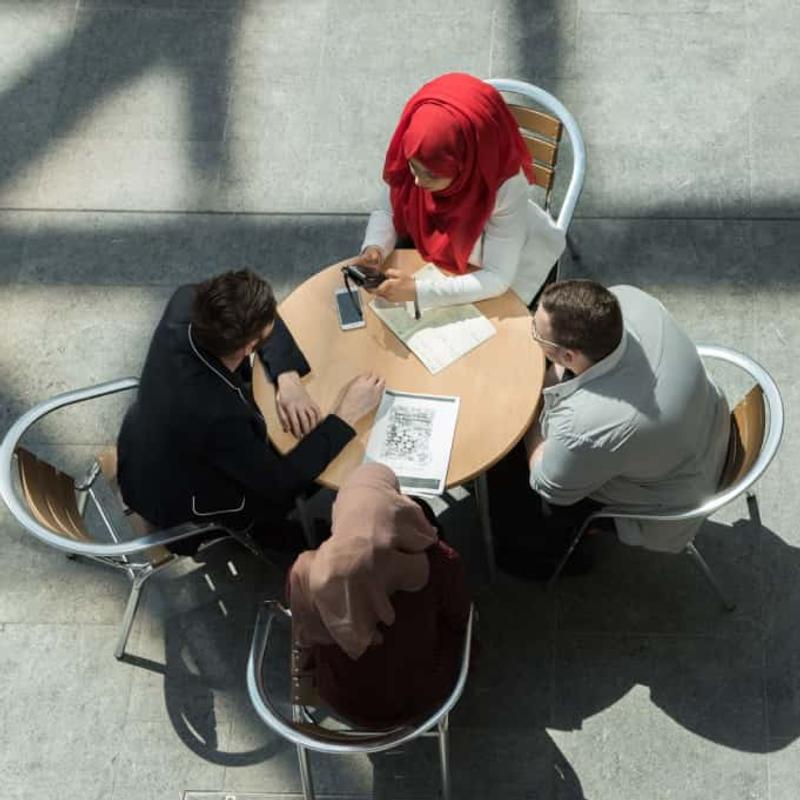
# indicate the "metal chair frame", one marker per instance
pixel 303 731
pixel 120 554
pixel 552 104
pixel 769 447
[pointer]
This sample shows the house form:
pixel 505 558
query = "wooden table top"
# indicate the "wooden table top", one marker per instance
pixel 499 382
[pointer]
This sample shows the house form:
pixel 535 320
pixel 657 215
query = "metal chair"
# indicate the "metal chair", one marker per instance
pixel 303 730
pixel 50 505
pixel 756 430
pixel 542 133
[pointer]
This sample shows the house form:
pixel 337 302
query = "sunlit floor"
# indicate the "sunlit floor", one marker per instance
pixel 150 143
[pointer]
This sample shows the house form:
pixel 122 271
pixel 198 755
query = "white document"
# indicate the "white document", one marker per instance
pixel 442 335
pixel 413 435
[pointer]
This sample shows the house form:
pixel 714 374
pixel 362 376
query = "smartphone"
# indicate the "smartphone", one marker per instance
pixel 364 276
pixel 348 306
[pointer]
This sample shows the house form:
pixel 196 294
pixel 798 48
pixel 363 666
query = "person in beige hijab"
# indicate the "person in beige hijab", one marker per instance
pixel 382 604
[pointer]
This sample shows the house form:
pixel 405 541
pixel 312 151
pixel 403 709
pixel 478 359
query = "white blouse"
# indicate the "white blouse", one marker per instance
pixel 517 249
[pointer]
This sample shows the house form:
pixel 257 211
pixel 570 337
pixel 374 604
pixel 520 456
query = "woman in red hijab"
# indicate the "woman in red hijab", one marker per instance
pixel 458 175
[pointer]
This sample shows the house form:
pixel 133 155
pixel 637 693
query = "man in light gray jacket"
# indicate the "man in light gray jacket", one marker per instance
pixel 629 418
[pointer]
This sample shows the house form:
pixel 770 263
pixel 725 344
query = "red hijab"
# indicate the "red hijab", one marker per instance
pixel 460 127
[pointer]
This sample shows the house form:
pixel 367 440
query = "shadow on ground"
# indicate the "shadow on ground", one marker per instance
pixel 546 660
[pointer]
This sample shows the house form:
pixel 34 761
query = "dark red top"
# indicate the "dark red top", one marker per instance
pixel 415 666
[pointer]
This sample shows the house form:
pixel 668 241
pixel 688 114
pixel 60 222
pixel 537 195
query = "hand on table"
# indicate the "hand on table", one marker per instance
pixel 359 397
pixel 397 288
pixel 297 412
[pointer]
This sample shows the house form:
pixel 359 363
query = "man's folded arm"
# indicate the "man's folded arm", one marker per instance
pixel 237 450
pixel 566 474
pixel 280 353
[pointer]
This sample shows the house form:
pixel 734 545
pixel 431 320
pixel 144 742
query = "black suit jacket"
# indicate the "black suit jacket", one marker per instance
pixel 194 445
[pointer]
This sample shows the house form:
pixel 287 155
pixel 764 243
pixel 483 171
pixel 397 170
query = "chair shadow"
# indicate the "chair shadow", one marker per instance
pixel 207 614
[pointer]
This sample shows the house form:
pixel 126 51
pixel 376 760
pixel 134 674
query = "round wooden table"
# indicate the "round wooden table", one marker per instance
pixel 499 382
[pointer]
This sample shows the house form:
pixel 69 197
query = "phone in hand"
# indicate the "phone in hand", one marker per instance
pixel 348 307
pixel 367 277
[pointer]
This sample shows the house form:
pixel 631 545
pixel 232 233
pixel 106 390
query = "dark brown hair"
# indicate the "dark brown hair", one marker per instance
pixel 231 310
pixel 584 316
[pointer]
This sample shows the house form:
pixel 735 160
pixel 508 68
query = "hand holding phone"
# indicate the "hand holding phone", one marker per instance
pixel 368 277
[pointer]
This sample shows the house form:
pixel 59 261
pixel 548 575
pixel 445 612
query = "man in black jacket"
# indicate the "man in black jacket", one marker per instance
pixel 194 445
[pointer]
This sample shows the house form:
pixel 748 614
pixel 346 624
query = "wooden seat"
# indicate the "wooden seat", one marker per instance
pixel 107 459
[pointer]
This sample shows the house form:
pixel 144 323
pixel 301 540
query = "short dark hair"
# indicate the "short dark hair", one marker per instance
pixel 584 316
pixel 231 310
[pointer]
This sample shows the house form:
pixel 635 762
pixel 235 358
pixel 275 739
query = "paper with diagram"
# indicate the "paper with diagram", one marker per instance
pixel 413 435
pixel 442 335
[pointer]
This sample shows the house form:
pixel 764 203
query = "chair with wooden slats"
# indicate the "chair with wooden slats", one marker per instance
pixel 50 504
pixel 309 735
pixel 542 122
pixel 756 425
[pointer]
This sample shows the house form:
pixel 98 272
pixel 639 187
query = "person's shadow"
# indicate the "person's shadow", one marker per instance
pixel 552 660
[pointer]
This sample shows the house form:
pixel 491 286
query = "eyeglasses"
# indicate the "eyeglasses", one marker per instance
pixel 536 338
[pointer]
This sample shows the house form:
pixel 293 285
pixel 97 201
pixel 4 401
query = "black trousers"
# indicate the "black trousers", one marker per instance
pixel 531 535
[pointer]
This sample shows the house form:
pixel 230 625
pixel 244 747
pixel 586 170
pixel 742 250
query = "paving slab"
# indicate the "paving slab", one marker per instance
pixel 56 697
pixel 632 750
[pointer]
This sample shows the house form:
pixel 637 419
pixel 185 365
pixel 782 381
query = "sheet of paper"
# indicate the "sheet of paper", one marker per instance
pixel 413 435
pixel 442 335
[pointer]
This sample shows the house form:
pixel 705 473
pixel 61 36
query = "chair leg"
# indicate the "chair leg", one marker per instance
pixel 130 611
pixel 305 773
pixel 692 551
pixel 305 521
pixel 551 581
pixel 755 512
pixel 444 755
pixel 482 501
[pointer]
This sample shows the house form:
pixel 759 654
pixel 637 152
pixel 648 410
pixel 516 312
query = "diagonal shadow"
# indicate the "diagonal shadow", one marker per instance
pixel 108 50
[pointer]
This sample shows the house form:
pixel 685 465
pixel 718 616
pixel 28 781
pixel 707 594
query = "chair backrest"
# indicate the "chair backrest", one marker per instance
pixel 542 134
pixel 50 496
pixel 542 131
pixel 748 428
pixel 756 428
pixel 324 740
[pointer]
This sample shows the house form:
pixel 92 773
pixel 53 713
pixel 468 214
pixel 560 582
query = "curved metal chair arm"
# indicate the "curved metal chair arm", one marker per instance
pixel 20 510
pixel 355 741
pixel 774 431
pixel 576 140
pixel 768 449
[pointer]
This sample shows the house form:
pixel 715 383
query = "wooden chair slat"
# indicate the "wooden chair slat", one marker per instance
pixel 543 176
pixel 748 423
pixel 63 504
pixel 537 121
pixel 541 151
pixel 304 690
pixel 50 496
pixel 751 420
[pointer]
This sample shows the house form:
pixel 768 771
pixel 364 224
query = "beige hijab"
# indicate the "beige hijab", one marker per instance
pixel 340 592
